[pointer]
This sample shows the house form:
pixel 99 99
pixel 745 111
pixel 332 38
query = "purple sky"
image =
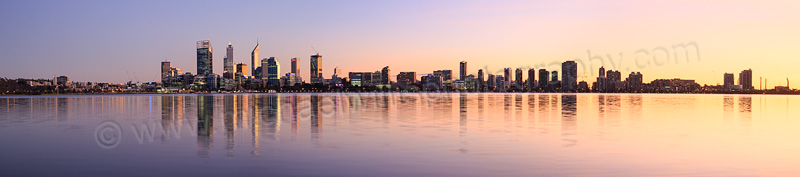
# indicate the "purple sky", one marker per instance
pixel 103 41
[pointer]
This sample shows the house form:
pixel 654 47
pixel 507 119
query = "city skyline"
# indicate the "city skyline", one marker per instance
pixel 351 40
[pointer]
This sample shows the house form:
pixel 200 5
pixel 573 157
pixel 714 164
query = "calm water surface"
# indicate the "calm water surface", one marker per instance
pixel 396 134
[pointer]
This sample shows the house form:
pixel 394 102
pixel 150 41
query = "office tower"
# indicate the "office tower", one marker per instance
pixel 273 68
pixel 507 76
pixel 254 62
pixel 385 72
pixel 531 79
pixel 242 68
pixel 746 79
pixel 728 80
pixel 316 69
pixel 295 70
pixel 479 83
pixel 462 70
pixel 62 80
pixel 204 58
pixel 634 81
pixel 405 79
pixel 543 78
pixel 555 76
pixel 445 75
pixel 601 80
pixel 500 83
pixel 165 68
pixel 569 76
pixel 490 82
pixel 227 62
pixel 602 72
pixel 518 79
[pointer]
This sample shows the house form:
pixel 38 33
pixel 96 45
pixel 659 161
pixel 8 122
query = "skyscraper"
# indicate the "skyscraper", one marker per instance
pixel 255 63
pixel 531 79
pixel 241 68
pixel 295 70
pixel 569 76
pixel 273 68
pixel 385 73
pixel 316 69
pixel 518 79
pixel 446 75
pixel 543 78
pixel 634 82
pixel 746 79
pixel 506 76
pixel 204 58
pixel 462 70
pixel 490 84
pixel 480 81
pixel 165 67
pixel 227 62
pixel 728 80
pixel 404 79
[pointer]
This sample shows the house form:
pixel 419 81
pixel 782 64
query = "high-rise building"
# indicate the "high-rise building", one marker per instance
pixel 531 79
pixel 204 58
pixel 490 83
pixel 555 76
pixel 462 70
pixel 506 76
pixel 273 68
pixel 746 79
pixel 62 80
pixel 295 70
pixel 242 68
pixel 255 63
pixel 569 76
pixel 479 83
pixel 518 79
pixel 728 80
pixel 405 79
pixel 543 79
pixel 227 62
pixel 445 75
pixel 165 67
pixel 316 69
pixel 634 81
pixel 385 73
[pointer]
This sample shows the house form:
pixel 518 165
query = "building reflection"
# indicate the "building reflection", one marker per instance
pixel 316 129
pixel 171 115
pixel 569 119
pixel 727 107
pixel 462 114
pixel 273 113
pixel 229 109
pixel 745 109
pixel 205 123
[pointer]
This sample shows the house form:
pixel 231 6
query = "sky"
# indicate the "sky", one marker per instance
pixel 102 41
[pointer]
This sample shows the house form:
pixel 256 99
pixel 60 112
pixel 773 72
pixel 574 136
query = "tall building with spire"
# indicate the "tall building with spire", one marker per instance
pixel 227 62
pixel 255 63
pixel 204 58
pixel 316 69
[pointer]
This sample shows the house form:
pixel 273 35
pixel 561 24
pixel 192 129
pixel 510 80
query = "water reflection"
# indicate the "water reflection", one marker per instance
pixel 569 119
pixel 491 132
